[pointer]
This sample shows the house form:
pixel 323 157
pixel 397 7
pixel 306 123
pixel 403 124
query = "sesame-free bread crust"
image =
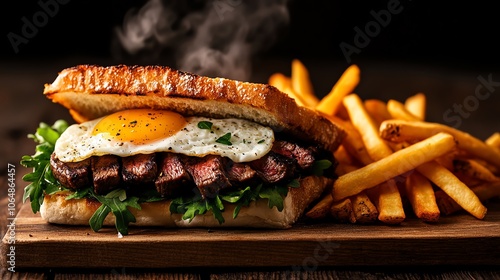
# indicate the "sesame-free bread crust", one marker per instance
pixel 58 210
pixel 91 91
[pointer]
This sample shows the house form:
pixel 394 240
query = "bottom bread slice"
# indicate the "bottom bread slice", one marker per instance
pixel 56 209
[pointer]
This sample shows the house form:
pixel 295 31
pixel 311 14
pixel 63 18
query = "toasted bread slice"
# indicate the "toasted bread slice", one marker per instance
pixel 58 210
pixel 91 91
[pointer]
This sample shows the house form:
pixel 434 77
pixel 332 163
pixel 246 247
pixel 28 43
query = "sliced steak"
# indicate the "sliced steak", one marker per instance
pixel 304 156
pixel 105 173
pixel 139 169
pixel 171 174
pixel 239 172
pixel 73 175
pixel 274 167
pixel 208 174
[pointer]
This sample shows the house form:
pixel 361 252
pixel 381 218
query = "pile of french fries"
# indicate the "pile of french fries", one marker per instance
pixel 392 160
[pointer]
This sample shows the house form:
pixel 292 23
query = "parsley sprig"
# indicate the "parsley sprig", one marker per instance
pixel 224 139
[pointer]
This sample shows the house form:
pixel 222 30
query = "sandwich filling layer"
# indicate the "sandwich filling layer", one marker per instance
pixel 193 185
pixel 162 150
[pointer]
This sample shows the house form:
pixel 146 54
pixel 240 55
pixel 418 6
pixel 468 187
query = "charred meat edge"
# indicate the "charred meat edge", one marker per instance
pixel 170 173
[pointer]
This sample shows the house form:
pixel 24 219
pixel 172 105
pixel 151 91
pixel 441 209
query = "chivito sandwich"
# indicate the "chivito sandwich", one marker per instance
pixel 153 146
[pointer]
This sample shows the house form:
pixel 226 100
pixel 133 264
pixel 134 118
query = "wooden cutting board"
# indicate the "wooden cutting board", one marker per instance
pixel 457 239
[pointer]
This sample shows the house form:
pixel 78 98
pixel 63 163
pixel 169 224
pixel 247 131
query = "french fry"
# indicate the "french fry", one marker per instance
pixel 347 210
pixel 446 204
pixel 391 166
pixel 342 211
pixel 487 190
pixel 388 140
pixel 344 168
pixel 416 105
pixel 361 207
pixel 468 181
pixel 421 196
pixel 321 209
pixel 344 86
pixel 283 83
pixel 352 141
pixel 342 112
pixel 399 130
pixel 342 156
pixel 396 146
pixel 453 187
pixel 388 201
pixel 484 192
pixel 447 160
pixel 301 84
pixel 377 109
pixel 390 205
pixel 279 81
pixel 364 124
pixel 364 210
pixel 473 169
pixel 398 111
pixel 494 140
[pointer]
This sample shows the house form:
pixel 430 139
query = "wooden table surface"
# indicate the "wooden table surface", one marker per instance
pixel 23 107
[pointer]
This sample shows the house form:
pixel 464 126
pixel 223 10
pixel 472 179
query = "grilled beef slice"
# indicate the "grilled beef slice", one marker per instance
pixel 105 173
pixel 208 174
pixel 73 175
pixel 139 169
pixel 239 172
pixel 171 174
pixel 274 167
pixel 304 156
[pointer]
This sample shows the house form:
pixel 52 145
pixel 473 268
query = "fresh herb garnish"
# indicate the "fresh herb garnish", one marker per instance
pixel 320 166
pixel 224 139
pixel 275 195
pixel 41 179
pixel 242 198
pixel 116 202
pixel 205 125
pixel 195 205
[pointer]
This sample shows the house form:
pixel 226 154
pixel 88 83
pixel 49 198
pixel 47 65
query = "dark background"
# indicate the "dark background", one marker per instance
pixel 454 35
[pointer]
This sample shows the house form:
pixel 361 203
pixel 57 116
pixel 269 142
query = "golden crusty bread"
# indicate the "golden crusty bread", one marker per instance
pixel 56 209
pixel 91 91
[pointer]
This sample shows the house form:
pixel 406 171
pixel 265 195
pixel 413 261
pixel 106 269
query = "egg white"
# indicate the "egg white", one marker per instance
pixel 249 141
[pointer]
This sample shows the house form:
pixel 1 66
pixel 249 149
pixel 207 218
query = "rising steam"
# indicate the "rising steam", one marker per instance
pixel 217 38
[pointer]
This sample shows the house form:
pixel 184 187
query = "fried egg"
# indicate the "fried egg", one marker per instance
pixel 145 131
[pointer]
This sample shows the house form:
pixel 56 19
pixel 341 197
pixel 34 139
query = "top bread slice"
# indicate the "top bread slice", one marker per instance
pixel 91 91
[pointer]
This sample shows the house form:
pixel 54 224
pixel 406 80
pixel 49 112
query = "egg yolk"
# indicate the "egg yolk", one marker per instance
pixel 139 126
